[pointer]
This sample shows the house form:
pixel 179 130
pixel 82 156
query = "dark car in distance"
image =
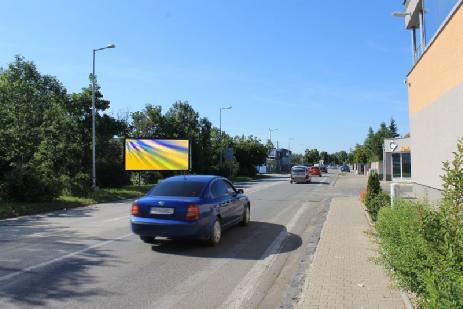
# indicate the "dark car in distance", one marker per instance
pixel 191 206
pixel 344 168
pixel 323 169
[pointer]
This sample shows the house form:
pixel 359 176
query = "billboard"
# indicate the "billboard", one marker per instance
pixel 156 154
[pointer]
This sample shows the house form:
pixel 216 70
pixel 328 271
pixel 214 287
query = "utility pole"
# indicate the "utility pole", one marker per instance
pixel 220 133
pixel 93 116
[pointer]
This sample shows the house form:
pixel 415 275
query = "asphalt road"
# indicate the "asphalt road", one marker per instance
pixel 88 258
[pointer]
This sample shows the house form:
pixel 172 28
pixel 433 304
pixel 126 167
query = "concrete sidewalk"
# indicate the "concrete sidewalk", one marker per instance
pixel 342 273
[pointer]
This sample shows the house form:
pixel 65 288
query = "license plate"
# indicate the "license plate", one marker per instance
pixel 161 211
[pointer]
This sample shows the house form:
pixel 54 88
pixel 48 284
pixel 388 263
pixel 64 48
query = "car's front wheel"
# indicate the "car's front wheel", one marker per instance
pixel 216 233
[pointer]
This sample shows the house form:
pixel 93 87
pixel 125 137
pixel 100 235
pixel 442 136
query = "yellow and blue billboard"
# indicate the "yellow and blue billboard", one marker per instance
pixel 156 155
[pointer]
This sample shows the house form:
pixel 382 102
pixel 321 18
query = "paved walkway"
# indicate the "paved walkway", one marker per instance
pixel 342 273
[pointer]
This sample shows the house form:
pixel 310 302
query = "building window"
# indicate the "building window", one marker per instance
pixel 436 12
pixel 406 165
pixel 396 172
pixel 401 165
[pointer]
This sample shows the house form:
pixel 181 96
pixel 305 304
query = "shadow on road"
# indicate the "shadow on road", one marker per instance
pixel 244 243
pixel 27 242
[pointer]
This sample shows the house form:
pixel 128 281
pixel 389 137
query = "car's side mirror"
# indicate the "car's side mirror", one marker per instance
pixel 240 191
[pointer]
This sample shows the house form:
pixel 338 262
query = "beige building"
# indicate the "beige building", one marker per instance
pixel 435 87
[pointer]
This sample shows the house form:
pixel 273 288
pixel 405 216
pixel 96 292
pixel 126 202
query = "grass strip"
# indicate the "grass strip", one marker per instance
pixel 16 209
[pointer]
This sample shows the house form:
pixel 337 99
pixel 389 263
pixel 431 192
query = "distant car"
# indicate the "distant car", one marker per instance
pixel 300 173
pixel 191 206
pixel 323 169
pixel 315 171
pixel 345 168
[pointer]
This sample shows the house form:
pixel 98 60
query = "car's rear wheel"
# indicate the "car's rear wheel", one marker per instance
pixel 246 216
pixel 148 239
pixel 216 233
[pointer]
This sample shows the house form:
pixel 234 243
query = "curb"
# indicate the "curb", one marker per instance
pixel 405 299
pixel 299 303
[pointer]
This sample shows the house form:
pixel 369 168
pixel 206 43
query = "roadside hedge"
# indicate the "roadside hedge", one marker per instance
pixel 377 202
pixel 423 244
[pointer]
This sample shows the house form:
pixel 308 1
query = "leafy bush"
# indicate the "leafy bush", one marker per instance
pixel 79 185
pixel 111 175
pixel 373 197
pixel 403 246
pixel 227 169
pixel 423 245
pixel 376 203
pixel 151 177
pixel 373 186
pixel 25 184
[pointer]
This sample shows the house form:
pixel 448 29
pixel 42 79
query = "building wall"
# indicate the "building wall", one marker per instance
pixel 436 103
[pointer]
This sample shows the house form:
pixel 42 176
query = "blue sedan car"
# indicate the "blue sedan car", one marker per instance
pixel 344 168
pixel 190 206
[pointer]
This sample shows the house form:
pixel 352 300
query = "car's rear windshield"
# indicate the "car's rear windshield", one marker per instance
pixel 178 188
pixel 298 169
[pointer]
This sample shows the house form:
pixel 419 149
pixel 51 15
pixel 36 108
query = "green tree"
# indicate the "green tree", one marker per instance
pixel 35 136
pixel 206 159
pixel 341 156
pixel 148 123
pixel 249 153
pixel 393 130
pixel 359 154
pixel 109 167
pixel 269 145
pixel 297 158
pixel 324 156
pixel 311 156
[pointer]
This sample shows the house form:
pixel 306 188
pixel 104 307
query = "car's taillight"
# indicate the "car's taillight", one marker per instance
pixel 135 208
pixel 192 212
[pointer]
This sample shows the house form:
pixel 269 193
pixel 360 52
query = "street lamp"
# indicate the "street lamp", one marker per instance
pixel 93 116
pixel 289 142
pixel 271 130
pixel 400 14
pixel 220 132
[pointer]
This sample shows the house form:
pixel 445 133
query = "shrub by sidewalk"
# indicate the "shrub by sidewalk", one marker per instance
pixel 373 197
pixel 423 245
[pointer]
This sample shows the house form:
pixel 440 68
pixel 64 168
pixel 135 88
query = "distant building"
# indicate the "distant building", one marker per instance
pixel 279 161
pixel 396 164
pixel 435 88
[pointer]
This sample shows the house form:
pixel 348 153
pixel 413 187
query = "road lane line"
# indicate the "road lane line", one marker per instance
pixel 262 187
pixel 117 219
pixel 245 289
pixel 61 258
pixel 182 290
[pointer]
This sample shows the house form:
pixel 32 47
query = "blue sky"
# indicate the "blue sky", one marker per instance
pixel 321 72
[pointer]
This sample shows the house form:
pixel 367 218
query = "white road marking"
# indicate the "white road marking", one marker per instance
pixel 60 258
pixel 182 290
pixel 116 219
pixel 245 289
pixel 260 186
